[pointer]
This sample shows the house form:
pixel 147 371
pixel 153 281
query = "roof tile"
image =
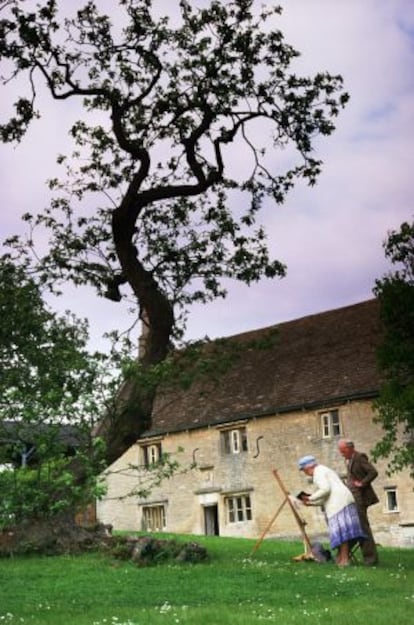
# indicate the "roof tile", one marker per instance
pixel 316 360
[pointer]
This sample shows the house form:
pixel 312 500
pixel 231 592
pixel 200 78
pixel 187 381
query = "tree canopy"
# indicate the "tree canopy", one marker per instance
pixel 395 292
pixel 51 395
pixel 151 206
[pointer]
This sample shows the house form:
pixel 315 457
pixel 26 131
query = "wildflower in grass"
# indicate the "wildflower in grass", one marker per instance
pixel 166 607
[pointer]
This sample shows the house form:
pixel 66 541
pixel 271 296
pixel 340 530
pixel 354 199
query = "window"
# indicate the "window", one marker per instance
pixel 238 508
pixel 330 424
pixel 151 454
pixel 234 441
pixel 391 499
pixel 153 518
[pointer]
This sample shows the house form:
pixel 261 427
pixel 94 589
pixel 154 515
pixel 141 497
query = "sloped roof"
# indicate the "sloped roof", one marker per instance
pixel 313 361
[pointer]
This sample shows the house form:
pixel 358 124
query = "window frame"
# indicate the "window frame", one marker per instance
pixel 149 512
pixel 391 494
pixel 151 453
pixel 235 440
pixel 238 508
pixel 330 423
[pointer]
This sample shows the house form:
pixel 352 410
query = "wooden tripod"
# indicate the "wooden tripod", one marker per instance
pixel 308 555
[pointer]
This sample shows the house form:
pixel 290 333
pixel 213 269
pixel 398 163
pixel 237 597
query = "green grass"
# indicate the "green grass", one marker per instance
pixel 233 588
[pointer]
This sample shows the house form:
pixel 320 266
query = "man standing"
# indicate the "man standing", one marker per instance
pixel 360 475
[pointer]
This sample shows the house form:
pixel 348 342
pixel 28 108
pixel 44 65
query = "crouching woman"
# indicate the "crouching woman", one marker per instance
pixel 339 506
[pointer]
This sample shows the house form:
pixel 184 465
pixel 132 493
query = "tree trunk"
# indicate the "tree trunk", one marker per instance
pixel 134 405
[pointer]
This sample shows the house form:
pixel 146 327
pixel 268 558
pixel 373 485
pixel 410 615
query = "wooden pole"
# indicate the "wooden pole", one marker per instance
pixel 268 526
pixel 299 520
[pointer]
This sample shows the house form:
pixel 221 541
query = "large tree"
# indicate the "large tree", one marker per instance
pixel 153 205
pixel 395 292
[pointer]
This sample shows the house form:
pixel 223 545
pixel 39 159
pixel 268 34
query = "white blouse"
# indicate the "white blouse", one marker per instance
pixel 331 492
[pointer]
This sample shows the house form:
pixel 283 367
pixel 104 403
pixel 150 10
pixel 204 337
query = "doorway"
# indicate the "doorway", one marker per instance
pixel 211 523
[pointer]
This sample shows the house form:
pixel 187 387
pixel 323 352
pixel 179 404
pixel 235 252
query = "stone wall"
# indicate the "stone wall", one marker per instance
pixel 207 476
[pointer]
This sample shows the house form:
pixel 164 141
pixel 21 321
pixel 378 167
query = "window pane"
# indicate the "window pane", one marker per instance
pixel 330 424
pixel 230 504
pixel 226 439
pixel 392 503
pixel 325 425
pixel 145 456
pixel 240 515
pixel 239 508
pixel 235 439
pixel 248 507
pixel 151 454
pixel 153 518
pixel 336 430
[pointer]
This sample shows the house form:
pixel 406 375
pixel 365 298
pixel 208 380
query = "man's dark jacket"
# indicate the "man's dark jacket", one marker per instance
pixel 360 468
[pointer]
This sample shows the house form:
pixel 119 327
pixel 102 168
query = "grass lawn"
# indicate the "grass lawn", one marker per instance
pixel 234 587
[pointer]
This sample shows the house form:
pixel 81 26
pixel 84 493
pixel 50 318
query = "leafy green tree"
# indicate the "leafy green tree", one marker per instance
pixel 395 292
pixel 152 207
pixel 50 397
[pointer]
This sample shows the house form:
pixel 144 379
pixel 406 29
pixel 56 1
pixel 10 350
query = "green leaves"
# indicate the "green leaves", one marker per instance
pixel 186 127
pixel 52 391
pixel 177 97
pixel 16 127
pixel 44 365
pixel 395 406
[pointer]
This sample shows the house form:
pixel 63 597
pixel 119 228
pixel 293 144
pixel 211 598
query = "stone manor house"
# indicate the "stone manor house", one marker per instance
pixel 294 389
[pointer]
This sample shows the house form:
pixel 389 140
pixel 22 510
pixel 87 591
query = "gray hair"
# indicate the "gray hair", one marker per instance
pixel 346 442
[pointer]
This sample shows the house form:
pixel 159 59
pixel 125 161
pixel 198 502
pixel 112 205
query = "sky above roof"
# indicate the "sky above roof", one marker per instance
pixel 329 236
